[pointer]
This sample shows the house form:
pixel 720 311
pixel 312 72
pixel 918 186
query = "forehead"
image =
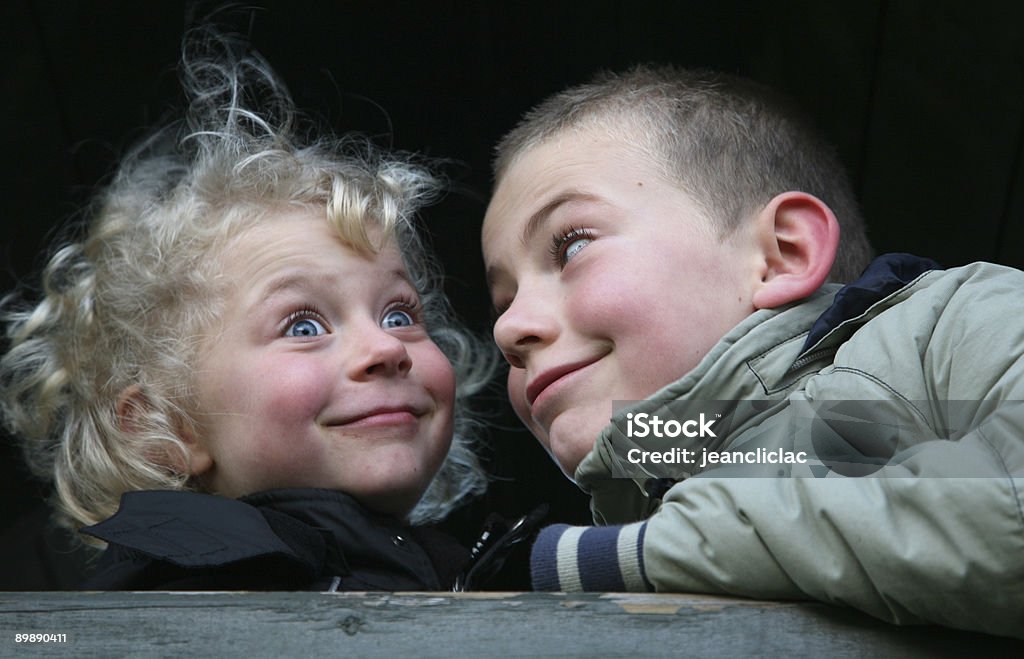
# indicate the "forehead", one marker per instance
pixel 592 163
pixel 299 237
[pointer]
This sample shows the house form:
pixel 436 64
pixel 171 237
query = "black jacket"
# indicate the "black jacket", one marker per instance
pixel 290 539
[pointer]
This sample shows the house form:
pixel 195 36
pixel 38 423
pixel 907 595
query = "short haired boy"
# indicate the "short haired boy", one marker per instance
pixel 244 373
pixel 677 238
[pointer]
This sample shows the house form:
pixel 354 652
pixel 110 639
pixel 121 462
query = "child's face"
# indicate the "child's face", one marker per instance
pixel 610 281
pixel 322 373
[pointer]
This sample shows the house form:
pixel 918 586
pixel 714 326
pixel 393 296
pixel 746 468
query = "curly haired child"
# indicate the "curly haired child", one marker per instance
pixel 243 373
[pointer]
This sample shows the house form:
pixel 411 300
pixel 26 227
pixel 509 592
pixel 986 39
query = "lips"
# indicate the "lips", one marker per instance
pixel 384 414
pixel 547 378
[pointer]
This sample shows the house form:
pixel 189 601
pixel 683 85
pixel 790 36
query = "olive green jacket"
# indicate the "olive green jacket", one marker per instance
pixel 909 507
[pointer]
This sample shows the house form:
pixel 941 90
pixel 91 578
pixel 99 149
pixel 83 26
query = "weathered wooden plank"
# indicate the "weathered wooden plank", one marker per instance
pixel 439 624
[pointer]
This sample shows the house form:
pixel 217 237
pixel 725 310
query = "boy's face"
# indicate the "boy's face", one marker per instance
pixel 610 283
pixel 321 373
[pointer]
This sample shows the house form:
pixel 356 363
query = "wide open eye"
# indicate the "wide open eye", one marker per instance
pixel 397 318
pixel 305 327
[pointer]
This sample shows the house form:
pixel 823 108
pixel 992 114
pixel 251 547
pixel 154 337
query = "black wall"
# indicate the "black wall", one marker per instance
pixel 924 100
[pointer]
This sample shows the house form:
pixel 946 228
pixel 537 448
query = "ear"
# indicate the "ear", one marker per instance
pixel 132 405
pixel 798 235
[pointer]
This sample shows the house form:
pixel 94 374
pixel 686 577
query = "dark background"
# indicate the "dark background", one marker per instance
pixel 924 99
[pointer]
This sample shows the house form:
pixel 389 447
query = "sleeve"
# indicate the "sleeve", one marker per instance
pixel 947 551
pixel 906 550
pixel 590 558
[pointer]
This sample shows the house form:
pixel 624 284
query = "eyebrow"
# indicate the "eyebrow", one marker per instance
pixel 545 211
pixel 296 280
pixel 539 218
pixel 286 282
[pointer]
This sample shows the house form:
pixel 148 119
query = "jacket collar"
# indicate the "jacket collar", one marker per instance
pixel 310 532
pixel 885 275
pixel 192 530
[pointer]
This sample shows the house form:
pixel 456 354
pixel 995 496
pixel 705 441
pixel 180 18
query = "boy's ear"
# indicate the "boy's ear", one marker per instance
pixel 798 235
pixel 131 407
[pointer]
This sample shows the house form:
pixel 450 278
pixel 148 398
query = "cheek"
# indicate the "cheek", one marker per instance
pixel 517 396
pixel 609 304
pixel 287 391
pixel 656 338
pixel 435 374
pixel 517 393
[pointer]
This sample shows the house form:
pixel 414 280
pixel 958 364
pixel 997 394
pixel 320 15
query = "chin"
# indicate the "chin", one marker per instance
pixel 568 464
pixel 568 473
pixel 569 452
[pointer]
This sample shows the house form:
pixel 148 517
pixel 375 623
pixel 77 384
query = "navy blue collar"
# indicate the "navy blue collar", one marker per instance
pixel 884 276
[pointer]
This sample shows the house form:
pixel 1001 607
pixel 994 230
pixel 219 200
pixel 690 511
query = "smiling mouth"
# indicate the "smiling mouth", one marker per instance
pixel 384 416
pixel 545 380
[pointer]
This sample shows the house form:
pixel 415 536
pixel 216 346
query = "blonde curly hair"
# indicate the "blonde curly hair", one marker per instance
pixel 126 302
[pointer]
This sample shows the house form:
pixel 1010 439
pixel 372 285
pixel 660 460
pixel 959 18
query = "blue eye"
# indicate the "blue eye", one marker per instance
pixel 397 318
pixel 566 245
pixel 305 327
pixel 574 247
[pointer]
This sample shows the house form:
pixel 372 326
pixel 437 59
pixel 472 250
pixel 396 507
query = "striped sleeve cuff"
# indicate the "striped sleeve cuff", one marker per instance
pixel 590 559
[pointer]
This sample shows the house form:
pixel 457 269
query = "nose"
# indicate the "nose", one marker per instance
pixel 378 353
pixel 526 325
